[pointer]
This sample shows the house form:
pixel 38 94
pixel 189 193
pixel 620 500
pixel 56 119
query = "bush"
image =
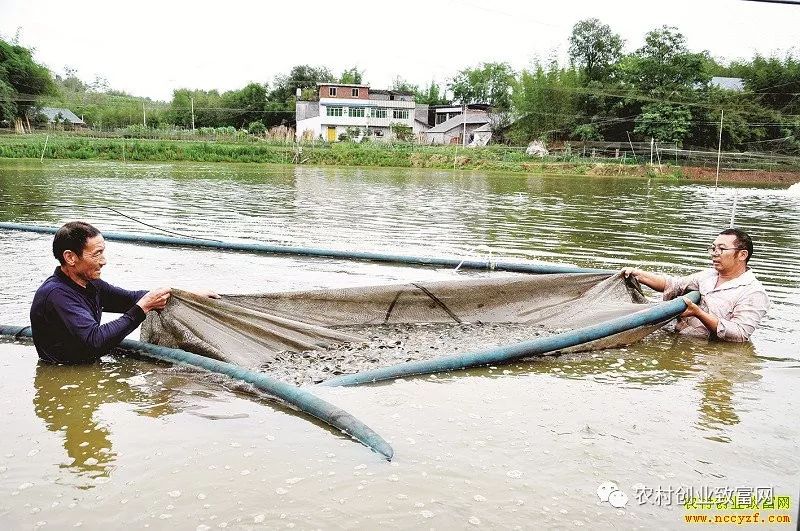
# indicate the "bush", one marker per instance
pixel 353 133
pixel 256 128
pixel 402 132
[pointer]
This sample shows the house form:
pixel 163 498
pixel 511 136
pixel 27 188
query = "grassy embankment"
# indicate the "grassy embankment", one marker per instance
pixel 491 158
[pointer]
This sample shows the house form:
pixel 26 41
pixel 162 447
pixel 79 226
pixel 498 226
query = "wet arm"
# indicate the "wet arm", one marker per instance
pixel 651 280
pixel 709 320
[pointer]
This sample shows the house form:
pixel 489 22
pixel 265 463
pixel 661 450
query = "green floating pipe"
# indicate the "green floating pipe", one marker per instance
pixel 263 248
pixel 299 398
pixel 658 314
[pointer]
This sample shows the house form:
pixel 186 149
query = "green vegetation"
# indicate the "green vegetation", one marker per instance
pixel 489 83
pixel 408 155
pixel 22 82
pixel 345 153
pixel 660 90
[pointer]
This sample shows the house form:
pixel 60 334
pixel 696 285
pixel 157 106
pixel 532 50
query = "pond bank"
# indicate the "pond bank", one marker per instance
pixel 490 158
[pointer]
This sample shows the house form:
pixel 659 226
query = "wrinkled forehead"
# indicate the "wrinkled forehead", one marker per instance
pixel 95 244
pixel 726 240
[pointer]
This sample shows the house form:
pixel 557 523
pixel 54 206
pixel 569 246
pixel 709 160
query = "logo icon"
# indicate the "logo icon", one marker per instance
pixel 609 492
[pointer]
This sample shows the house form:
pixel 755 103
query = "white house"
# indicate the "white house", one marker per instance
pixel 346 108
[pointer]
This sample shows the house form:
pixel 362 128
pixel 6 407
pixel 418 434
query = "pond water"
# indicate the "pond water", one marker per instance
pixel 128 442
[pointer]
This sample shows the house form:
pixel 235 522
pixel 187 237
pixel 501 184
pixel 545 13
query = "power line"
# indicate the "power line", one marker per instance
pixel 789 2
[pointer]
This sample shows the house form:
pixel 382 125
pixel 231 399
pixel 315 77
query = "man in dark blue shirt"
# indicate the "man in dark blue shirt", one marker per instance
pixel 66 310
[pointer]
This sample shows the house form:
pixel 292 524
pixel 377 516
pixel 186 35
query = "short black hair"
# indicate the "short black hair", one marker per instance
pixel 743 241
pixel 72 236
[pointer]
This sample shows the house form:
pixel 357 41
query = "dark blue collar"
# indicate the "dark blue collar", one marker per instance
pixel 89 290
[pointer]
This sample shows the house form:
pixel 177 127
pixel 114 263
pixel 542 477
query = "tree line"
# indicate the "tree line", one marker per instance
pixel 660 90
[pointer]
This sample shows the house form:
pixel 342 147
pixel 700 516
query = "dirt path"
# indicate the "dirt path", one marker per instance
pixel 749 176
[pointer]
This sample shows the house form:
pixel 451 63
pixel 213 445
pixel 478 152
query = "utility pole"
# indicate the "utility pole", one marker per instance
pixel 464 121
pixel 192 100
pixel 719 147
pixel 631 144
pixel 144 115
pixel 651 151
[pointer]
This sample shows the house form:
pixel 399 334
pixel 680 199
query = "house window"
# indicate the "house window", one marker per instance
pixel 356 112
pixel 332 92
pixel 354 92
pixel 379 112
pixel 334 111
pixel 441 117
pixel 400 114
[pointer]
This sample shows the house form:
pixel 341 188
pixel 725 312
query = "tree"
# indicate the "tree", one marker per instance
pixel 594 49
pixel 664 122
pixel 281 101
pixel 352 76
pixel 401 85
pixel 775 81
pixel 664 65
pixel 22 81
pixel 71 82
pixel 545 103
pixel 487 83
pixel 244 106
pixel 302 77
pixel 430 95
pixel 207 108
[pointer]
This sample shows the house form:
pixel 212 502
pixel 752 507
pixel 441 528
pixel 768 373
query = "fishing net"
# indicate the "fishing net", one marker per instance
pixel 347 328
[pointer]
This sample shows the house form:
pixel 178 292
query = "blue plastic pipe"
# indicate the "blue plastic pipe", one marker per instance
pixel 299 398
pixel 660 313
pixel 264 248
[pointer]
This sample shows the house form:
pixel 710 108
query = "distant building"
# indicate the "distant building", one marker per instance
pixel 735 84
pixel 347 108
pixel 61 116
pixel 441 113
pixel 452 125
pixel 361 112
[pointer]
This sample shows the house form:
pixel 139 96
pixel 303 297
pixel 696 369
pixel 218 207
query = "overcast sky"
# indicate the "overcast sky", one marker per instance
pixel 149 48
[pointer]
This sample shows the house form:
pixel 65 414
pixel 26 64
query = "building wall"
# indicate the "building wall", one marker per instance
pixel 343 92
pixel 434 138
pixel 306 109
pixel 309 124
pixel 345 121
pixel 376 134
pixel 420 128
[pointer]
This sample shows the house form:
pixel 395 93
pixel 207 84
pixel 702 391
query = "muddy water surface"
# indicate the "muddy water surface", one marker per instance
pixel 133 443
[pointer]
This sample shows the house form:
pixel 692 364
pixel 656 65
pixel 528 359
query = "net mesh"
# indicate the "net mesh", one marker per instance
pixel 259 330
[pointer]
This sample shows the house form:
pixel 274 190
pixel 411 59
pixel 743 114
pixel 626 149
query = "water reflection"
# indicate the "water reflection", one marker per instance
pixel 726 371
pixel 69 398
pixel 720 372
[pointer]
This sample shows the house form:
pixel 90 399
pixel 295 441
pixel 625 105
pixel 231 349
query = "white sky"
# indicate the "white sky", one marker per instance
pixel 149 48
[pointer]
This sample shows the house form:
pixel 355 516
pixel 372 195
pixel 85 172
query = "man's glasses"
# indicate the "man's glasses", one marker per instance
pixel 718 249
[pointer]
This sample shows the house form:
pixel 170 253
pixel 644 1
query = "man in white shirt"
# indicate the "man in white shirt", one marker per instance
pixel 732 302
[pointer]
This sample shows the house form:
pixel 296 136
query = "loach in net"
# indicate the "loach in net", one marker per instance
pixel 309 336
